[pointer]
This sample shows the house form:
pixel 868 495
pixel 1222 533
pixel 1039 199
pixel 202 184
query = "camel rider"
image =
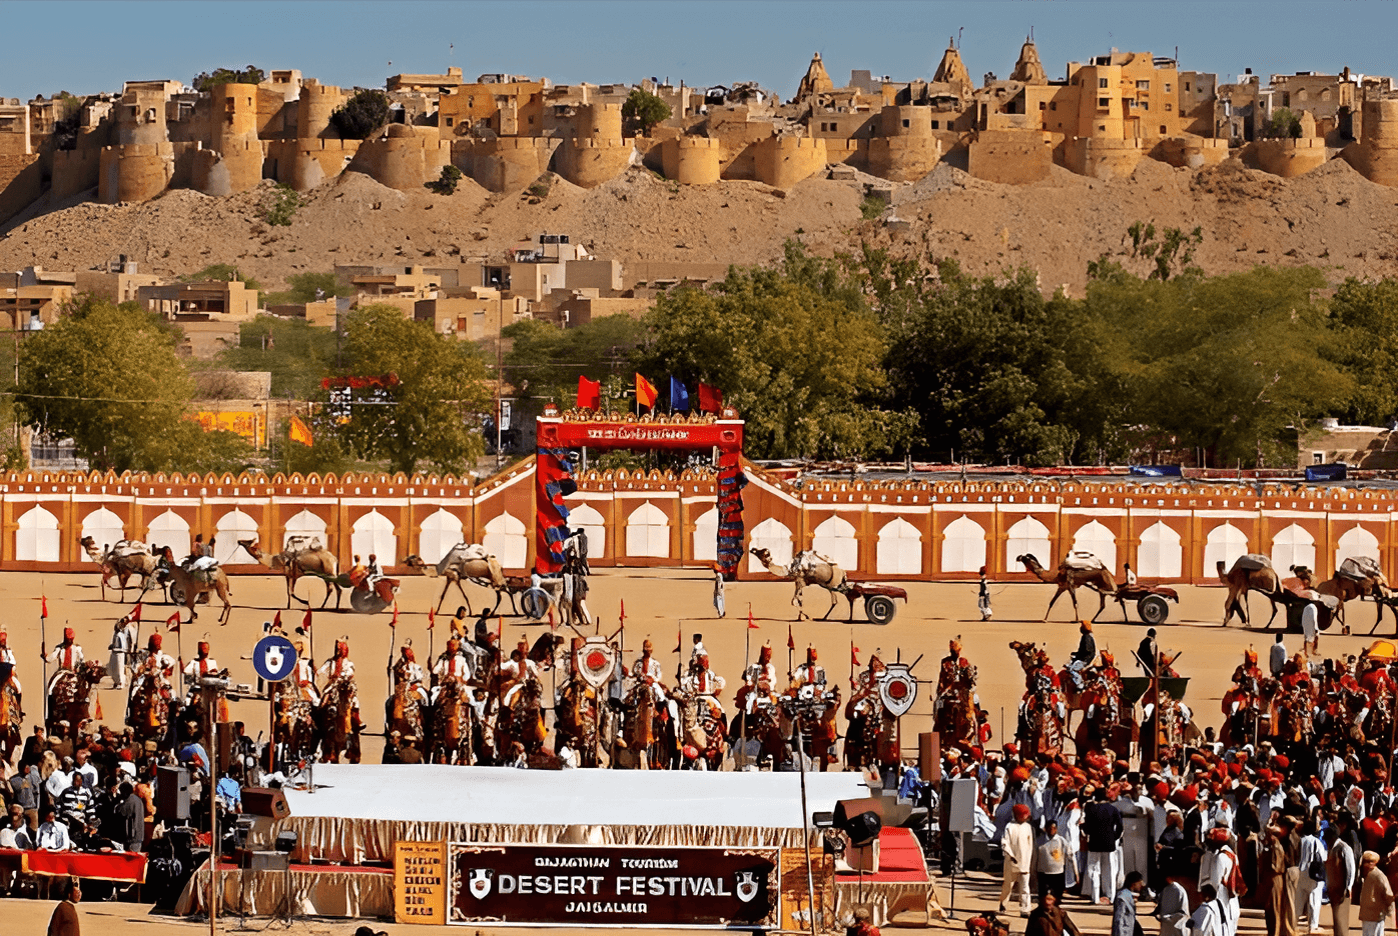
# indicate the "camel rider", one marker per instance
pixel 759 681
pixel 515 671
pixel 154 664
pixel 695 652
pixel 68 655
pixel 1247 670
pixel 708 685
pixel 458 623
pixel 1083 656
pixel 949 674
pixel 1042 669
pixel 338 667
pixel 867 682
pixel 8 656
pixel 373 568
pixel 304 675
pixel 647 669
pixel 357 573
pixel 407 669
pixel 809 673
pixel 202 665
pixel 452 666
pixel 1110 681
pixel 1168 702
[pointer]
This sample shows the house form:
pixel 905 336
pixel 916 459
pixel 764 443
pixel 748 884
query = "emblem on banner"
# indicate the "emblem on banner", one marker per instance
pixel 596 661
pixel 480 882
pixel 897 689
pixel 747 886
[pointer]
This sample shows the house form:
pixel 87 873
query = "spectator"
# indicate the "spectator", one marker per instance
pixel 1124 922
pixel 1102 826
pixel 1172 909
pixel 76 802
pixel 1207 919
pixel 1375 897
pixel 83 765
pixel 1017 845
pixel 56 777
pixel 27 790
pixel 16 833
pixel 1049 863
pixel 52 835
pixel 229 794
pixel 1339 879
pixel 131 818
pixel 1048 918
pixel 35 746
pixel 1312 866
pixel 64 921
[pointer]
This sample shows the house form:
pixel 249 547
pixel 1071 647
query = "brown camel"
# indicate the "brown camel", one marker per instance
pixel 1069 579
pixel 807 568
pixel 186 586
pixel 125 559
pixel 1367 582
pixel 1249 573
pixel 303 555
pixel 464 563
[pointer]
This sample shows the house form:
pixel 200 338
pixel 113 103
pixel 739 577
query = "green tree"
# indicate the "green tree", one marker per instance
pixel 280 206
pixel 1169 254
pixel 365 112
pixel 1365 323
pixel 795 348
pixel 310 287
pixel 207 81
pixel 433 414
pixel 1283 124
pixel 643 110
pixel 296 354
pixel 110 379
pixel 447 182
pixel 223 272
pixel 551 358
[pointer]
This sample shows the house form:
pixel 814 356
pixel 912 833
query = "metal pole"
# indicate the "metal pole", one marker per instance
pixel 210 697
pixel 499 377
pixel 805 826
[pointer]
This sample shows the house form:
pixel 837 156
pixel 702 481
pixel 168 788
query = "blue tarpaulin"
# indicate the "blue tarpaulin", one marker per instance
pixel 1156 471
pixel 1327 472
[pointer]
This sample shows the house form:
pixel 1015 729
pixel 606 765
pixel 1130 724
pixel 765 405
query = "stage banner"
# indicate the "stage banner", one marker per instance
pixel 420 882
pixel 622 886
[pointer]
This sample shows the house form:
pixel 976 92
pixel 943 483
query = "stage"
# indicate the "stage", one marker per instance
pixel 316 890
pixel 901 883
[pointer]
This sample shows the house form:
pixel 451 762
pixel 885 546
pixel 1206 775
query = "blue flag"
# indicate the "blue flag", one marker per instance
pixel 679 396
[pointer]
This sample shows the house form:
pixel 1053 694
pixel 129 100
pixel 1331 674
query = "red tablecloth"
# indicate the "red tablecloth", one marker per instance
pixel 117 866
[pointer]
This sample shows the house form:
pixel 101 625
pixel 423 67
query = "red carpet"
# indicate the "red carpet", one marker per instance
pixel 900 860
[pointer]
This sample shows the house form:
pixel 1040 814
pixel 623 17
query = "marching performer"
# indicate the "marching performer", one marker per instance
pixel 648 670
pixel 340 666
pixel 515 671
pixel 68 655
pixel 8 656
pixel 708 685
pixel 122 645
pixel 202 665
pixel 759 681
pixel 407 669
pixel 305 674
pixel 809 673
pixel 153 663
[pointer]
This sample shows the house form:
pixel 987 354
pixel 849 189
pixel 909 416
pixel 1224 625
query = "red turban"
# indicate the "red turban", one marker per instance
pixel 1235 769
pixel 1021 812
pixel 1161 789
pixel 1281 761
pixel 1012 749
pixel 67 633
pixel 1020 773
pixel 1219 834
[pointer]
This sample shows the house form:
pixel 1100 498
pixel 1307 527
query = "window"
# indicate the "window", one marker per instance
pixel 906 123
pixel 1145 86
pixel 449 121
pixel 1163 131
pixel 1053 105
pixel 936 125
pixel 1169 106
pixel 1041 105
pixel 1317 458
pixel 1186 86
pixel 1101 126
pixel 1167 87
pixel 1101 82
pixel 1145 105
pixel 1104 102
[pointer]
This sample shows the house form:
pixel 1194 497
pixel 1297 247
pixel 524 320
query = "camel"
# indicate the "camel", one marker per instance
pixel 1070 579
pixel 303 555
pixel 125 559
pixel 187 586
pixel 464 562
pixel 807 568
pixel 1365 580
pixel 1249 573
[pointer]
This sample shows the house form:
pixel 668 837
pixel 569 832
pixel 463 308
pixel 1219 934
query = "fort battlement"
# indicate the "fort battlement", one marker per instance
pixel 1013 157
pixel 590 161
pixel 904 158
pixel 75 171
pixel 402 159
pixel 1287 158
pixel 1103 157
pixel 1376 156
pixel 783 161
pixel 692 160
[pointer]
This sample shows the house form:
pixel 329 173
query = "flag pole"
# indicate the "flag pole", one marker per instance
pixel 43 650
pixel 741 759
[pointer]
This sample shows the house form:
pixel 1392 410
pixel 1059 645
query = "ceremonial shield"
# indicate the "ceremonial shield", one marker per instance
pixel 596 661
pixel 897 689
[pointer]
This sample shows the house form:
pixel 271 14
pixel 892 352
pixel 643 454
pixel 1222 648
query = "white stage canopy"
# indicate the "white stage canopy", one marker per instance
pixel 507 796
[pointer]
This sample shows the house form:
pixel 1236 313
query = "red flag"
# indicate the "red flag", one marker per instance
pixel 853 653
pixel 394 623
pixel 306 619
pixel 431 618
pixel 621 619
pixel 97 713
pixel 589 393
pixel 679 639
pixel 710 398
pixel 645 392
pixel 136 613
pixel 277 620
pixel 44 606
pixel 751 624
pixel 173 622
pixel 790 640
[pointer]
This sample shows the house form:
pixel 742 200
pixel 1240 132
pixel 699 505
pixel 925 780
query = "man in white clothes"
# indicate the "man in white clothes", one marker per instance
pixel 1312 878
pixel 1207 919
pixel 1017 845
pixel 122 646
pixel 1218 867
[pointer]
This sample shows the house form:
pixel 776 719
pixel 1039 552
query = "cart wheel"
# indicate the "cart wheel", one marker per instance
pixel 879 608
pixel 1153 609
pixel 535 603
pixel 176 595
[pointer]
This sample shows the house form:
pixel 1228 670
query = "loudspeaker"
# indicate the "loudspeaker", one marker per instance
pixel 261 860
pixel 929 756
pixel 860 819
pixel 259 801
pixel 958 805
pixel 172 794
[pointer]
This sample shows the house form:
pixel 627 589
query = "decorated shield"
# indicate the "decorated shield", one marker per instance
pixel 596 661
pixel 897 689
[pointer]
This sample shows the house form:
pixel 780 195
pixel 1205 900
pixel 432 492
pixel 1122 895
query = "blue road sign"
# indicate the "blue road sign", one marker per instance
pixel 274 658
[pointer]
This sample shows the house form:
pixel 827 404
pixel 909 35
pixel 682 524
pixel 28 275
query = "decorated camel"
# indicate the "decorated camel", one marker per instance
pixel 302 555
pixel 186 586
pixel 1359 577
pixel 1072 574
pixel 806 568
pixel 125 559
pixel 1250 572
pixel 464 562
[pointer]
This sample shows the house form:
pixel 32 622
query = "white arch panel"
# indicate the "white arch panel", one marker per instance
pixel 438 534
pixel 590 520
pixel 899 550
pixel 105 528
pixel 506 540
pixel 775 537
pixel 648 532
pixel 373 535
pixel 37 536
pixel 1029 537
pixel 1160 554
pixel 835 539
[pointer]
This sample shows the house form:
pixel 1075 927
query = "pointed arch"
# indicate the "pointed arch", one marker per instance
pixel 775 537
pixel 963 545
pixel 588 519
pixel 1225 543
pixel 835 539
pixel 1160 554
pixel 169 529
pixel 1029 537
pixel 706 536
pixel 305 523
pixel 373 535
pixel 105 528
pixel 37 536
pixel 1356 543
pixel 439 532
pixel 233 526
pixel 1099 540
pixel 506 540
pixel 899 550
pixel 648 532
pixel 1293 546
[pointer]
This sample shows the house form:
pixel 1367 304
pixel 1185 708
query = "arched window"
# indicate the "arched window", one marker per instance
pixel 36 539
pixel 169 529
pixel 834 539
pixel 1099 540
pixel 590 520
pixel 963 545
pixel 1293 546
pixel 233 526
pixel 1160 555
pixel 1029 537
pixel 439 533
pixel 105 528
pixel 505 539
pixel 373 535
pixel 1225 544
pixel 706 536
pixel 775 537
pixel 648 532
pixel 305 523
pixel 900 549
pixel 1356 543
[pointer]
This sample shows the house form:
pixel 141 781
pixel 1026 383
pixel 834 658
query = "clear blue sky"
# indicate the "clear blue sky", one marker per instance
pixel 85 47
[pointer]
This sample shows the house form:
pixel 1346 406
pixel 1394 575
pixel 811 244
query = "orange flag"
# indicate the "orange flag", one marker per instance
pixel 431 618
pixel 790 640
pixel 751 623
pixel 97 713
pixel 300 432
pixel 394 623
pixel 173 622
pixel 44 607
pixel 645 392
pixel 306 619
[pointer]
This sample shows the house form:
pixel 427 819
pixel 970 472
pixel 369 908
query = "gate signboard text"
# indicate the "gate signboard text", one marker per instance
pixel 613 885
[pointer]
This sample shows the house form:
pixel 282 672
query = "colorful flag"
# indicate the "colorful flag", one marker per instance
pixel 589 393
pixel 44 607
pixel 173 622
pixel 751 624
pixel 679 638
pixel 645 392
pixel 277 620
pixel 431 618
pixel 394 623
pixel 790 640
pixel 136 613
pixel 622 617
pixel 300 432
pixel 710 398
pixel 97 712
pixel 853 653
pixel 679 396
pixel 306 619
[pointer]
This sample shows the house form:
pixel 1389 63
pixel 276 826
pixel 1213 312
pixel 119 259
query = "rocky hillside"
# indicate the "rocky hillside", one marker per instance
pixel 1332 217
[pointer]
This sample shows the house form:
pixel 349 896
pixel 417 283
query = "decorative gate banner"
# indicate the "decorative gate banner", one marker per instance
pixel 586 885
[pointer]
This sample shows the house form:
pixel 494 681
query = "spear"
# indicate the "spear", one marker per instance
pixel 43 649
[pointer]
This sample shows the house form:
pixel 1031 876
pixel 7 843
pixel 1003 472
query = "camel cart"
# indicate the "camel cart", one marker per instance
pixel 878 600
pixel 1152 601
